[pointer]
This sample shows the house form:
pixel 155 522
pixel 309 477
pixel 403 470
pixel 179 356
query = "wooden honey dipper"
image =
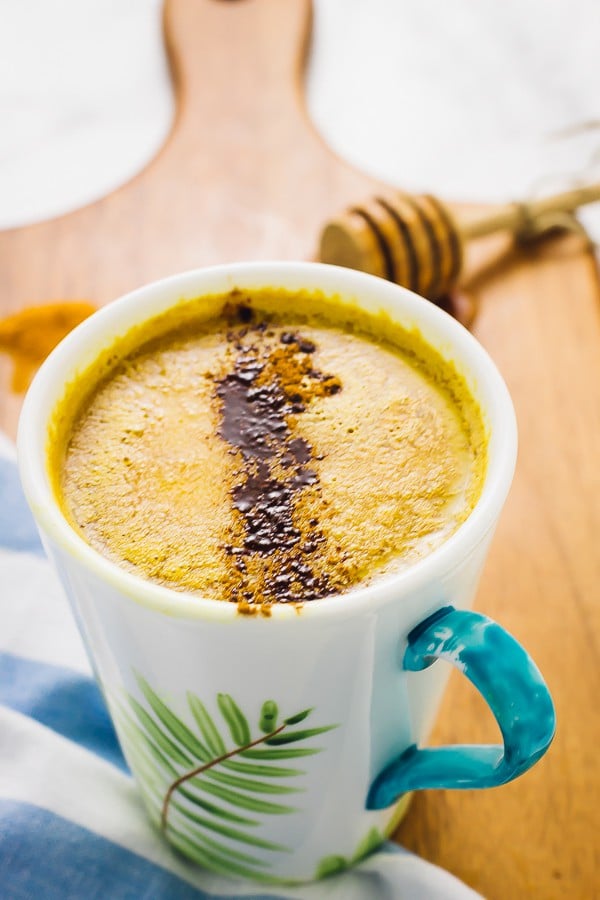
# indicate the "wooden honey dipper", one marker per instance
pixel 416 240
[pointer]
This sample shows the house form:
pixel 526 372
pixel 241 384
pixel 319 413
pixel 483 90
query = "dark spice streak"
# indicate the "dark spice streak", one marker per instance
pixel 257 401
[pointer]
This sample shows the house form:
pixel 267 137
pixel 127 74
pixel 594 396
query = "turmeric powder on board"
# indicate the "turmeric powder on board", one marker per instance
pixel 29 335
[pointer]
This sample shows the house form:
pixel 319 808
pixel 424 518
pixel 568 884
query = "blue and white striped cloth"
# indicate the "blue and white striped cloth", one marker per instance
pixel 71 824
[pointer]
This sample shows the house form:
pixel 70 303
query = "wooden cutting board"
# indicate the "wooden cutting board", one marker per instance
pixel 244 176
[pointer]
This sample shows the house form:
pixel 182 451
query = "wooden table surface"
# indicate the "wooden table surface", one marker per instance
pixel 244 176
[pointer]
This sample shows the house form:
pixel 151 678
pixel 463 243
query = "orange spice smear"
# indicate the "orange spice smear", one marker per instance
pixel 29 335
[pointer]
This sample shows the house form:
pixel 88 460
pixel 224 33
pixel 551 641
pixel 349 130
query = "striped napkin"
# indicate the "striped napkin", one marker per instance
pixel 71 823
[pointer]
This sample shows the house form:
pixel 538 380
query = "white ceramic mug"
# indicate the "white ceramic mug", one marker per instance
pixel 284 748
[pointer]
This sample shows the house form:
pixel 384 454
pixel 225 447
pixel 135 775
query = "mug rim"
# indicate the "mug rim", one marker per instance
pixel 119 316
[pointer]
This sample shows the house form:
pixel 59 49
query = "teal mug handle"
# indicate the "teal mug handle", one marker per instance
pixel 511 685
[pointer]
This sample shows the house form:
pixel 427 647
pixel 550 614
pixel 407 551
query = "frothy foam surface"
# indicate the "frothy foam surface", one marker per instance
pixel 260 457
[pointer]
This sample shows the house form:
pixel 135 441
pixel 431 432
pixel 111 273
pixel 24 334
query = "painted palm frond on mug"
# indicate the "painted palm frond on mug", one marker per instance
pixel 217 780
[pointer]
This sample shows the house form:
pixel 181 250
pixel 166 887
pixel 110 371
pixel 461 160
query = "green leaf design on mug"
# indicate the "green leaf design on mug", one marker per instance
pixel 299 717
pixel 281 754
pixel 268 716
pixel 214 781
pixel 214 741
pixel 238 724
pixel 331 865
pixel 293 736
pixel 335 863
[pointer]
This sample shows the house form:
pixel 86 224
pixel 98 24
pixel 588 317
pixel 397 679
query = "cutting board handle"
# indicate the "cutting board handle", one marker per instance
pixel 265 37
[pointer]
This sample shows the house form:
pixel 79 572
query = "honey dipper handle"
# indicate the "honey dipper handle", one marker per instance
pixel 521 218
